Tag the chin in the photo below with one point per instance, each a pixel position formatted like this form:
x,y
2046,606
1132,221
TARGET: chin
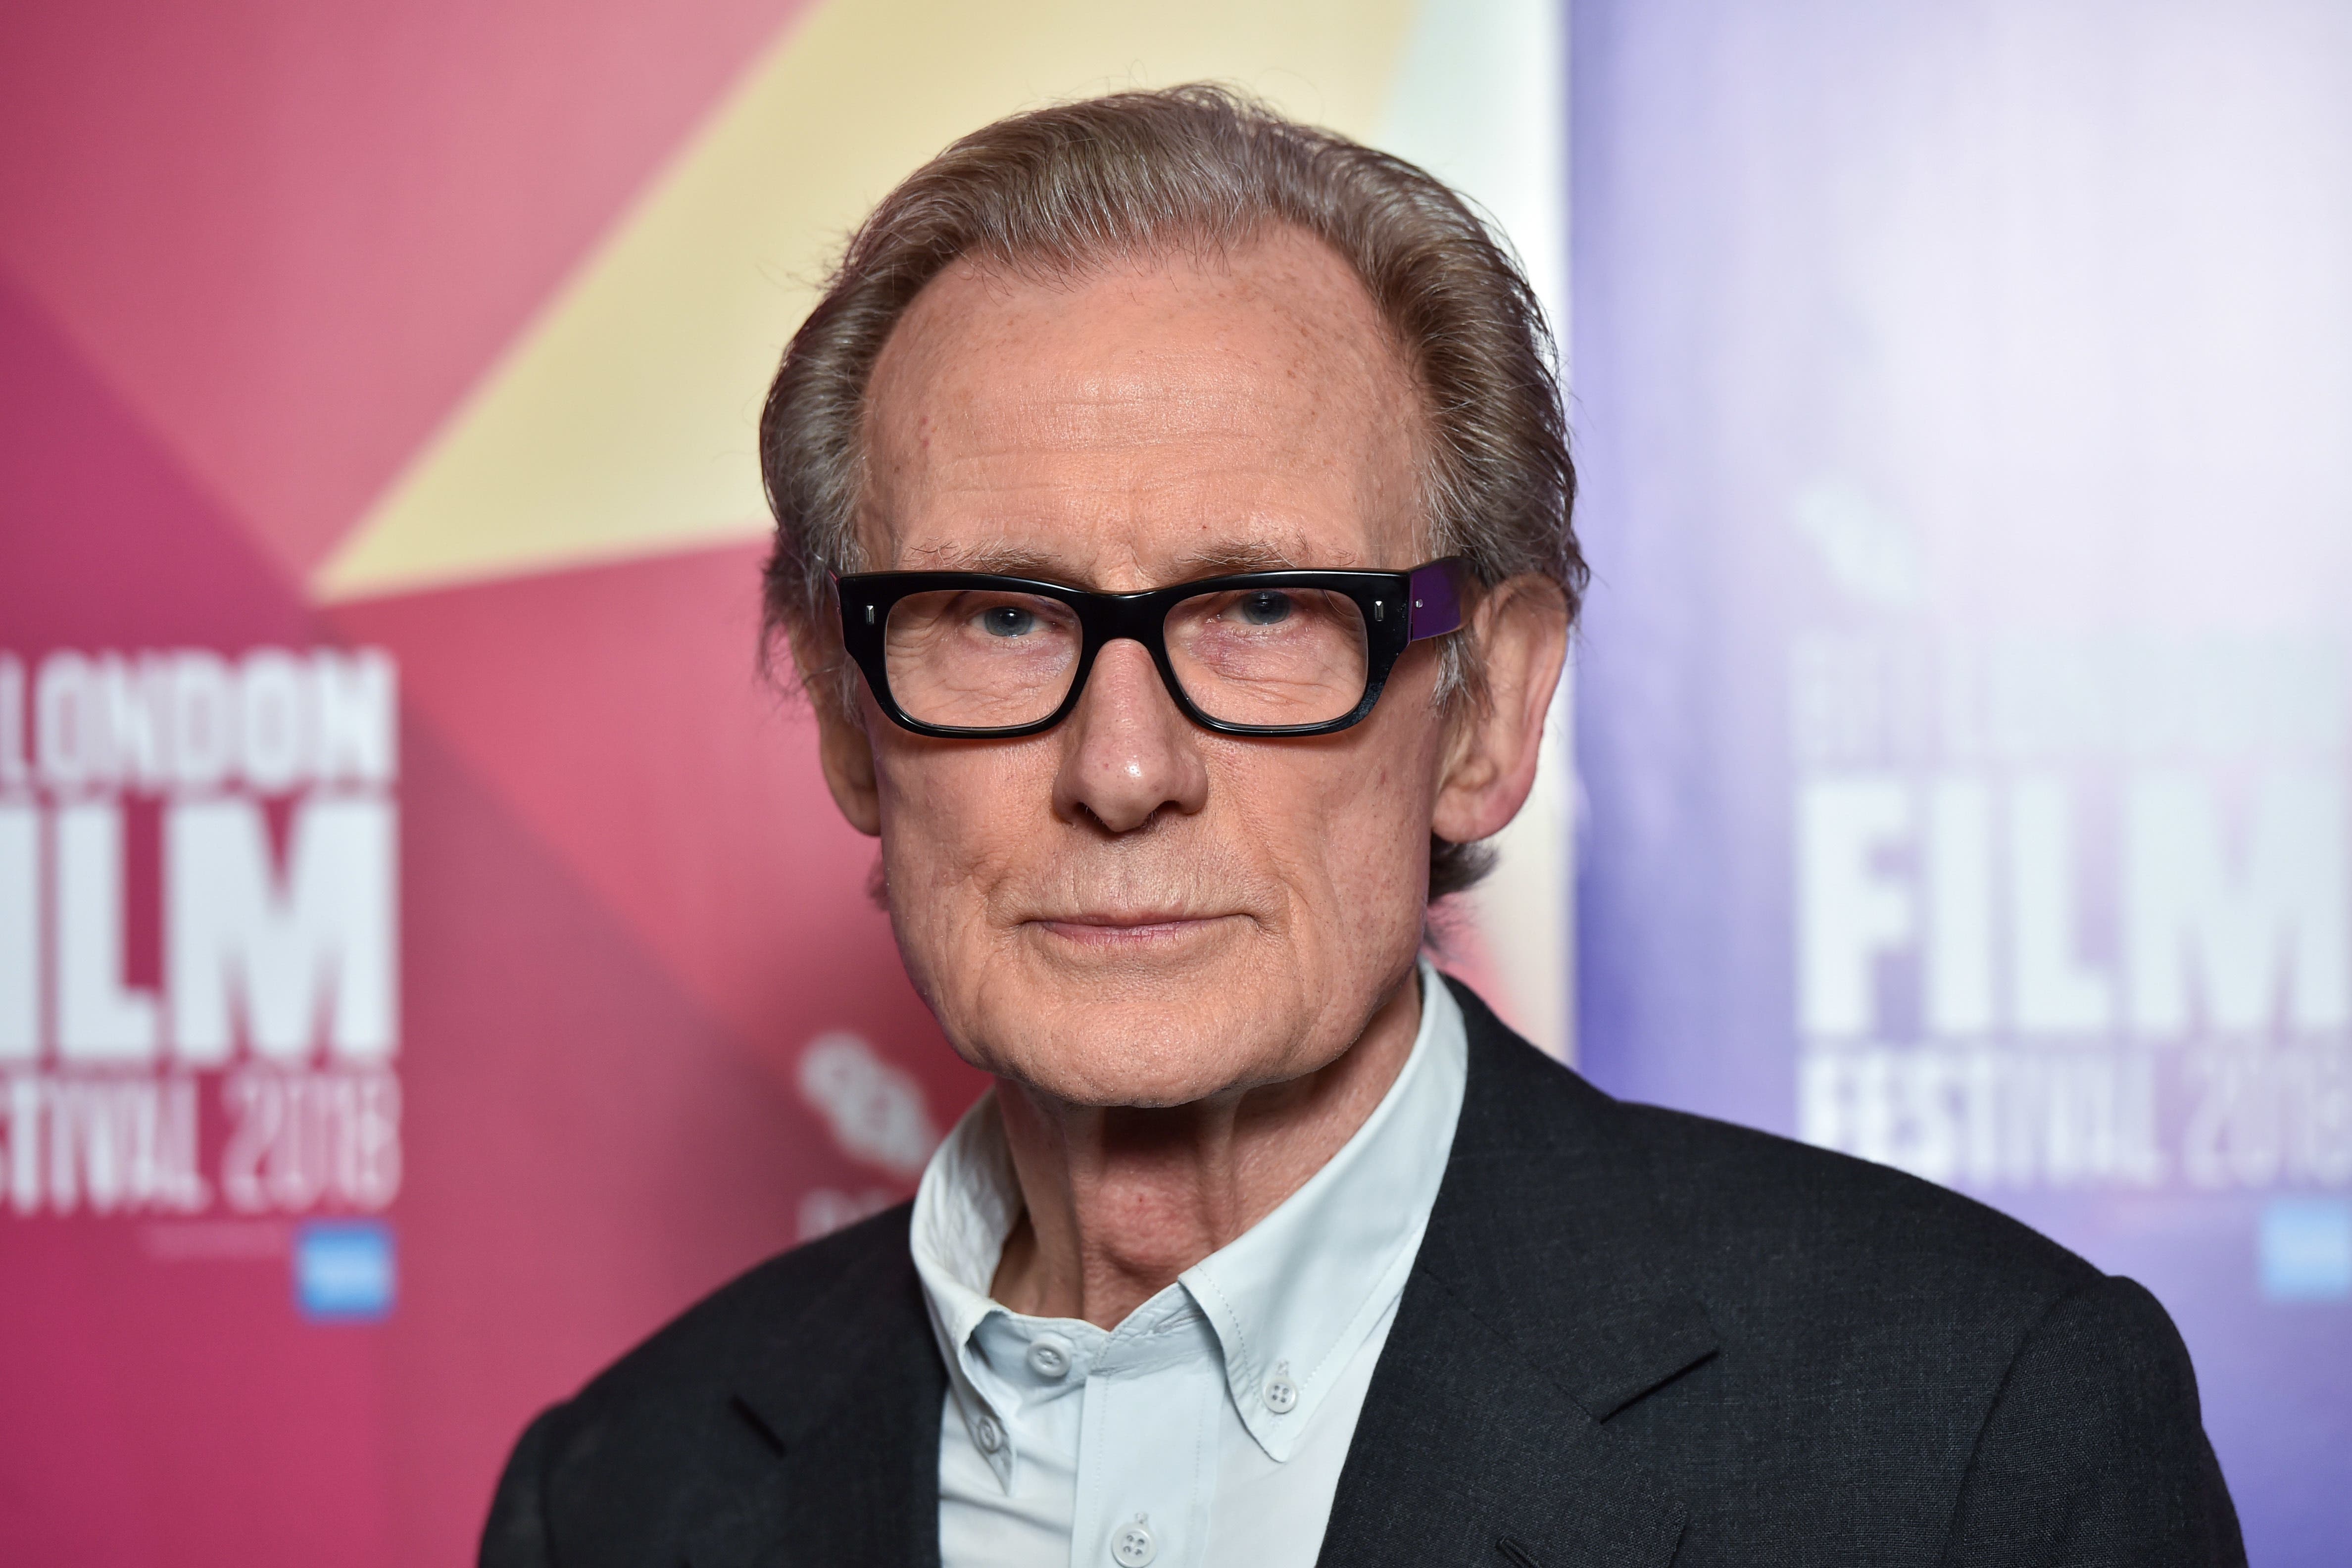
x,y
1156,1022
1144,1055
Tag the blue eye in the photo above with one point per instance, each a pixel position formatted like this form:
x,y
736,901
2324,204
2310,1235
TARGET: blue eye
x,y
1008,621
1265,609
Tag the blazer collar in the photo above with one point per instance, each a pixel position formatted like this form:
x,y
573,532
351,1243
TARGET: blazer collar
x,y
1539,1307
848,1396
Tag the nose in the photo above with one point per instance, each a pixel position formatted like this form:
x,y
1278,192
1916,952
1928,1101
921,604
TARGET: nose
x,y
1127,752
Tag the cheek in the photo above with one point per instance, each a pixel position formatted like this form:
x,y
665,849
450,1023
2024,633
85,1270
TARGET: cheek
x,y
1393,805
953,819
1347,832
1387,868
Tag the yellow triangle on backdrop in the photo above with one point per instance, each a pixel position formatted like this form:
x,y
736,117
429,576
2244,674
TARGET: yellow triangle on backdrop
x,y
621,422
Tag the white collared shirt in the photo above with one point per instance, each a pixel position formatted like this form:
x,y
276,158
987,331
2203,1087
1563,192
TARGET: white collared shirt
x,y
1209,1426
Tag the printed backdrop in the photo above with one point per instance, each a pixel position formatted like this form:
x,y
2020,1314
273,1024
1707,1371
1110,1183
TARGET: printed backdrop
x,y
428,956
1965,711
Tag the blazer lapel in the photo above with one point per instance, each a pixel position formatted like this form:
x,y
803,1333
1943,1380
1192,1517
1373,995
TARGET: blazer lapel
x,y
1538,1309
850,1401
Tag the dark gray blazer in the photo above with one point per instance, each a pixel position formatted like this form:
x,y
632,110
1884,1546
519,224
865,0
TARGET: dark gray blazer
x,y
1632,1337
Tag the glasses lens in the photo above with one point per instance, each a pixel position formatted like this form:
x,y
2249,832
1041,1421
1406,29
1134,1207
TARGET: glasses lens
x,y
979,659
1270,656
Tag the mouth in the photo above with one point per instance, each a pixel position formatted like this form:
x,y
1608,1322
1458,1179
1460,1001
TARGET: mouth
x,y
1129,932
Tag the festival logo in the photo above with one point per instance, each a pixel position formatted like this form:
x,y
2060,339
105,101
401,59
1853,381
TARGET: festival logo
x,y
2072,908
199,936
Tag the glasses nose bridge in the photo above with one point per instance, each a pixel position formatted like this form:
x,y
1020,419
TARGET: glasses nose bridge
x,y
1129,617
1141,618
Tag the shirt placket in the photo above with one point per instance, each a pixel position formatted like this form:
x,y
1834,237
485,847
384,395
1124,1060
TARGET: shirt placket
x,y
1147,1463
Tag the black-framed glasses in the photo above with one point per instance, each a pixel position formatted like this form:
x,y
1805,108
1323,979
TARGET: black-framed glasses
x,y
1256,653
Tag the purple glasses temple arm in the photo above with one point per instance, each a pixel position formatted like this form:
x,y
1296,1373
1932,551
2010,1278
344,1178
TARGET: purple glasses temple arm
x,y
1437,591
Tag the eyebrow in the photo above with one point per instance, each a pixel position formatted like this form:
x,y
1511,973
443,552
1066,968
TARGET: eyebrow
x,y
999,560
1217,560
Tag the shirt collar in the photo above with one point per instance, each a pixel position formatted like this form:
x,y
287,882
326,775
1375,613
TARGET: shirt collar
x,y
1297,1295
1293,1298
965,1206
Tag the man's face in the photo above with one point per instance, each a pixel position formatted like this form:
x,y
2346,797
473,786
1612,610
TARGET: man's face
x,y
1128,910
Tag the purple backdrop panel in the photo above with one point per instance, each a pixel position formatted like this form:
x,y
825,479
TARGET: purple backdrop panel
x,y
1962,709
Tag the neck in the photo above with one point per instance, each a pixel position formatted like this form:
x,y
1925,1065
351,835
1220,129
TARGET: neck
x,y
1118,1201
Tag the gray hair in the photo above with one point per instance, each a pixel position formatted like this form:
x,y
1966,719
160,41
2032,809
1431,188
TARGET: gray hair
x,y
1197,168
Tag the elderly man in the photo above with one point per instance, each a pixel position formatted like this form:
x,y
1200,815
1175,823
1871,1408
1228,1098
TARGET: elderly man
x,y
1172,536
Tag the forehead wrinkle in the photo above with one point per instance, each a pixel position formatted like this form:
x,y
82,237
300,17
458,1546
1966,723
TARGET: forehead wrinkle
x,y
1062,493
1106,415
1058,452
1078,466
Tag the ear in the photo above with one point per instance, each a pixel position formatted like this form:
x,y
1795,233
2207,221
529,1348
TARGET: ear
x,y
1522,631
845,748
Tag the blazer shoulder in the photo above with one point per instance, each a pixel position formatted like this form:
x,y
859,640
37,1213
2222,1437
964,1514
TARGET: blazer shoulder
x,y
1755,1196
817,1298
680,1430
1746,1210
749,1364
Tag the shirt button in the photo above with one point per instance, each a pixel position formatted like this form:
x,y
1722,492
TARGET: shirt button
x,y
1049,1357
991,1435
1133,1546
1281,1393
